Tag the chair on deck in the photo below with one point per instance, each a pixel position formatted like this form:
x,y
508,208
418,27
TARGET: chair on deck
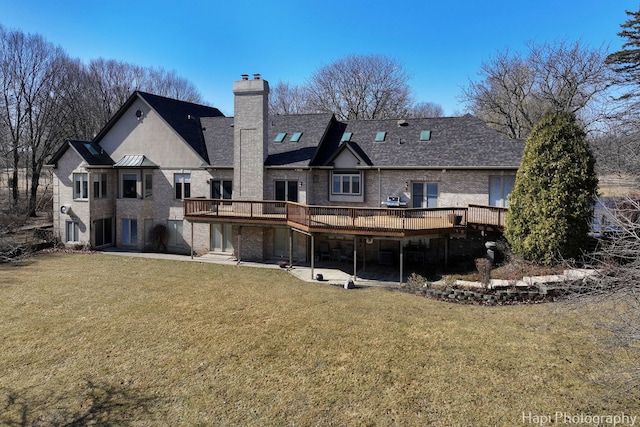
x,y
325,253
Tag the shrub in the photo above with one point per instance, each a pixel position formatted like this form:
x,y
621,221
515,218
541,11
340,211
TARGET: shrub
x,y
415,283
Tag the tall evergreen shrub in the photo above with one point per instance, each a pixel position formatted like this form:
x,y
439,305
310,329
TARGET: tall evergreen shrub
x,y
551,205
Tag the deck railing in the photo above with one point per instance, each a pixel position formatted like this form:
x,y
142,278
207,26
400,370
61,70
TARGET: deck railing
x,y
341,219
486,215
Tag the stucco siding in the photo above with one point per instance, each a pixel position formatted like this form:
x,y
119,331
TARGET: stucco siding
x,y
150,135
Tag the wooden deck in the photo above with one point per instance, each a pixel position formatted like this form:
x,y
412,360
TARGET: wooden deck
x,y
390,222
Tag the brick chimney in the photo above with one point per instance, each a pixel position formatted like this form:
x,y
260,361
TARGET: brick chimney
x,y
250,133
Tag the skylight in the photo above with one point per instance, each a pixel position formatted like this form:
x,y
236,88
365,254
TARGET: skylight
x,y
380,136
425,135
91,149
346,136
280,137
296,137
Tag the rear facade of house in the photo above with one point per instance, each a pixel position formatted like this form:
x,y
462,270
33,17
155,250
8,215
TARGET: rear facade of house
x,y
180,177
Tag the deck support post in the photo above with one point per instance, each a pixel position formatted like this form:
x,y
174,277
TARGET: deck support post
x,y
401,259
239,254
313,256
355,259
446,250
290,247
192,224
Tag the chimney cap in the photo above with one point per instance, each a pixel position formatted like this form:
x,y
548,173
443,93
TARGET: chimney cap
x,y
245,76
256,76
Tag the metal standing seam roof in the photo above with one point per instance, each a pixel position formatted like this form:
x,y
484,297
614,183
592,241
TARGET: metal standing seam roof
x,y
134,161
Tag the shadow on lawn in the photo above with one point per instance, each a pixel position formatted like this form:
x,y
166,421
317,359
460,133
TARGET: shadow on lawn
x,y
97,404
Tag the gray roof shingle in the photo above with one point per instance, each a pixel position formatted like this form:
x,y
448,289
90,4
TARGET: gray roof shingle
x,y
313,129
90,152
455,142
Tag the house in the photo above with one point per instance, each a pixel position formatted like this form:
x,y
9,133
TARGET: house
x,y
301,187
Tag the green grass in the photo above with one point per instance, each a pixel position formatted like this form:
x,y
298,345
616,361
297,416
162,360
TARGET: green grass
x,y
115,340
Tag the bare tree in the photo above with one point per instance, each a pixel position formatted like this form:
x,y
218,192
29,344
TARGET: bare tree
x,y
285,98
425,109
612,295
360,87
33,81
515,90
170,84
110,83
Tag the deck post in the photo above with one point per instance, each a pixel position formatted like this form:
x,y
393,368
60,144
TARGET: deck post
x,y
238,256
290,247
446,250
355,260
192,224
401,259
313,256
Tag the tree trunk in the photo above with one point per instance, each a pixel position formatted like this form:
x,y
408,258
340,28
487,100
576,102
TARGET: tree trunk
x,y
33,196
15,178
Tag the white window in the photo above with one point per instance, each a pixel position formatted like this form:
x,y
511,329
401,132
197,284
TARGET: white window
x,y
130,231
72,231
129,185
148,185
176,237
499,189
99,186
80,185
182,182
286,190
347,183
424,195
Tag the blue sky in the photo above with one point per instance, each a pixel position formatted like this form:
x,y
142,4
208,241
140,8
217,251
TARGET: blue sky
x,y
441,44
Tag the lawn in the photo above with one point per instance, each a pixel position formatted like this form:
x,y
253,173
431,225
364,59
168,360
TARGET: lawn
x,y
111,340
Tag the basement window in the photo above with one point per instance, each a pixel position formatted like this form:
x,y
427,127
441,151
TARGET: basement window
x,y
380,136
425,135
296,137
280,137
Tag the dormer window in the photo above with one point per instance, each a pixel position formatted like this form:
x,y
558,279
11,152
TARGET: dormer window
x,y
380,136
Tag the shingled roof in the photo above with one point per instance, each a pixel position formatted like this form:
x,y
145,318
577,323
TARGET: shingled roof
x,y
184,117
453,142
90,152
218,137
308,140
294,139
